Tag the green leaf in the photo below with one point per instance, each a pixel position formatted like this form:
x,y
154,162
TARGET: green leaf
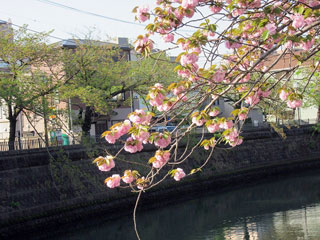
x,y
151,160
265,35
300,10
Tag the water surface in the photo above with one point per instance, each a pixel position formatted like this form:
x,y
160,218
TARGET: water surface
x,y
283,209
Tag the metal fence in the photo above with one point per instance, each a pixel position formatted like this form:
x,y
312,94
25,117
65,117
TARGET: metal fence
x,y
32,143
25,144
22,144
299,122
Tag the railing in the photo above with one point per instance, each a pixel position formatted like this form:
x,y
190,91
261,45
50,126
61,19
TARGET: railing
x,y
22,144
33,143
25,144
299,122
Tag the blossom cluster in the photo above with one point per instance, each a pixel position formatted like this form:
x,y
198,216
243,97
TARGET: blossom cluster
x,y
259,35
293,100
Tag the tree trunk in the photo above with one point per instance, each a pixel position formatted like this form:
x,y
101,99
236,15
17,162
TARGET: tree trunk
x,y
45,121
12,133
86,124
318,117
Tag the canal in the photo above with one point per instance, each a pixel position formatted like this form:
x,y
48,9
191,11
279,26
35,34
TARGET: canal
x,y
285,208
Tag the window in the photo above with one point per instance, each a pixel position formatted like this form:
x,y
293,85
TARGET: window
x,y
118,97
3,64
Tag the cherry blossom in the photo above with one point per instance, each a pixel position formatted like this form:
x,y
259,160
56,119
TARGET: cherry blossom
x,y
232,54
283,95
128,177
143,14
294,103
179,174
113,181
214,112
168,37
161,158
105,163
133,146
162,140
212,128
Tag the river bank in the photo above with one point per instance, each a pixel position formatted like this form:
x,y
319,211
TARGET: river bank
x,y
50,194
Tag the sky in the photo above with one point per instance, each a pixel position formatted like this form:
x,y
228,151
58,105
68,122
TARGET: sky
x,y
45,15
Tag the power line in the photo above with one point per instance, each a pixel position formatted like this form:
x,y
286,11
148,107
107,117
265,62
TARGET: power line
x,y
88,13
94,14
31,30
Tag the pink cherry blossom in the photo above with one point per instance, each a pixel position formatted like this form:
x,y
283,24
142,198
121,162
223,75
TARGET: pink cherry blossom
x,y
178,90
184,44
123,128
212,128
133,146
157,101
307,45
232,135
288,44
165,106
214,112
253,99
215,9
184,73
242,116
219,76
107,165
265,93
161,141
230,45
168,37
196,50
179,174
238,141
271,27
178,14
142,136
140,117
294,103
310,20
110,138
162,157
142,43
113,181
187,59
297,20
226,124
237,12
283,95
189,3
198,122
142,13
128,177
245,79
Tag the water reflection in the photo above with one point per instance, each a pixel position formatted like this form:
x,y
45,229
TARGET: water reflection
x,y
285,209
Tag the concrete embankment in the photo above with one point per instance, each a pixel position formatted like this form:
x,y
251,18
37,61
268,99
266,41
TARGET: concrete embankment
x,y
36,191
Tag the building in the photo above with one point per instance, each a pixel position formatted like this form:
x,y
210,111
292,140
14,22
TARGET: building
x,y
101,122
303,114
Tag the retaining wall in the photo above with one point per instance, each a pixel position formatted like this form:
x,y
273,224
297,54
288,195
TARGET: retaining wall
x,y
36,190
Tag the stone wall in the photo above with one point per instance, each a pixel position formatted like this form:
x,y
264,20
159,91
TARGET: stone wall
x,y
39,187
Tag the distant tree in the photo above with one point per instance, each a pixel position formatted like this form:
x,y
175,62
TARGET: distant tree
x,y
309,85
102,71
30,73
